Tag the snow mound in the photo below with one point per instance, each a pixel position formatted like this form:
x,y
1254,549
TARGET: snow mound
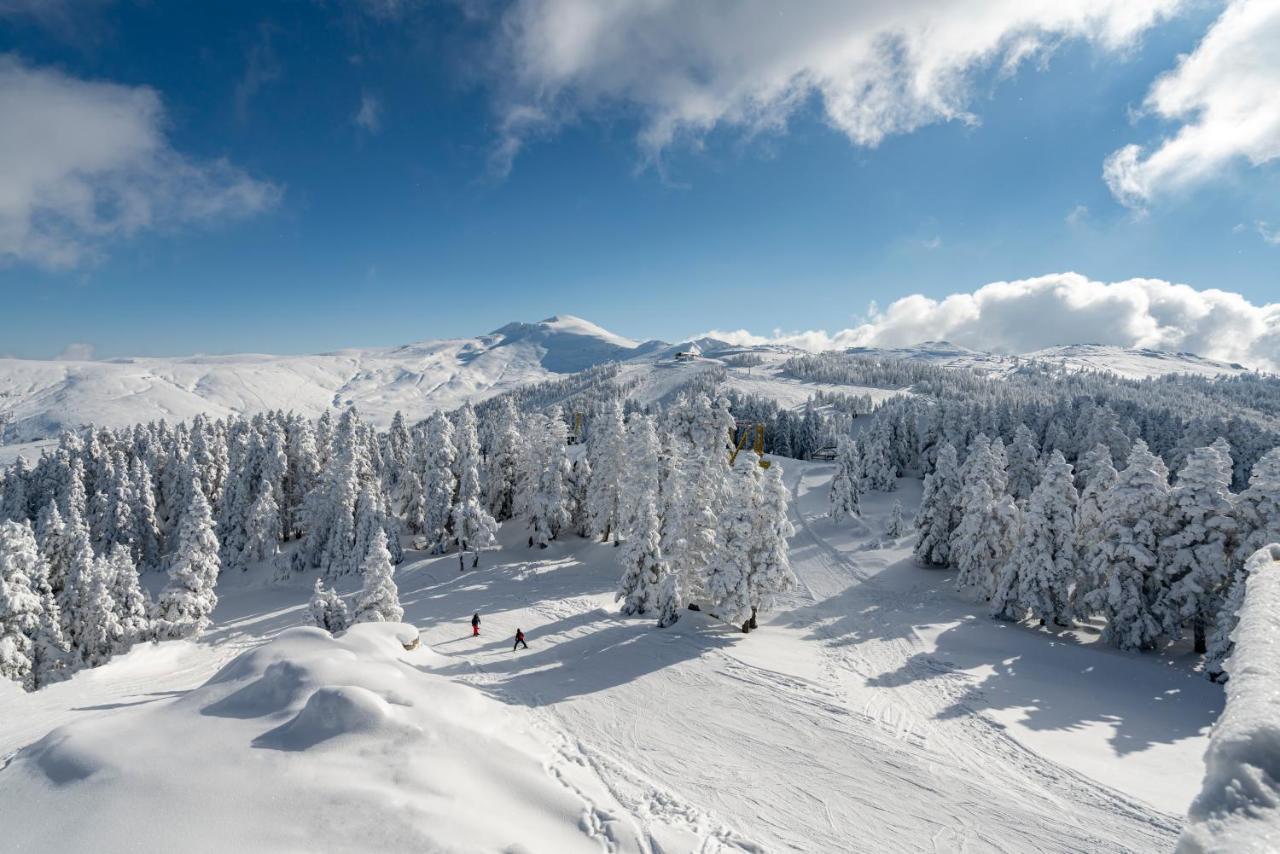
x,y
1238,810
307,743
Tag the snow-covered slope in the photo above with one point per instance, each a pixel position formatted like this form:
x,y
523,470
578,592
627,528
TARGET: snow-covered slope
x,y
39,398
42,397
875,710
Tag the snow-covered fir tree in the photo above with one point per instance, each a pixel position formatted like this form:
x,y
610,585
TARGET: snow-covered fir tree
x,y
474,529
184,607
262,528
132,605
1037,577
379,599
893,525
878,470
641,548
606,451
1024,464
32,650
846,482
729,569
1257,508
1091,579
328,610
985,538
438,480
1200,536
1133,514
501,464
938,515
771,572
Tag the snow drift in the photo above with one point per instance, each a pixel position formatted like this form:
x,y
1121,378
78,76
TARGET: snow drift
x,y
1238,810
307,743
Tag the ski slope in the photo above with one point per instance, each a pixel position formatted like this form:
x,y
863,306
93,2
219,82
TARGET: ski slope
x,y
876,710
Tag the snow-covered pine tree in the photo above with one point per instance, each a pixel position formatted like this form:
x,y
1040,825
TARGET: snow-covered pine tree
x,y
1037,577
1024,464
641,552
1200,536
379,600
438,481
101,631
262,528
576,488
893,526
845,483
185,605
1257,509
132,605
501,465
1133,513
1091,581
878,471
147,543
20,612
771,572
729,569
474,529
986,536
937,516
328,611
23,564
605,451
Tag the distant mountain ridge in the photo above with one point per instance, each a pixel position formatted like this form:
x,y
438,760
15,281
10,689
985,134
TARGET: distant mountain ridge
x,y
39,398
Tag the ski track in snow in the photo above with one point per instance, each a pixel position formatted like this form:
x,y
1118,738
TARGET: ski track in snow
x,y
833,728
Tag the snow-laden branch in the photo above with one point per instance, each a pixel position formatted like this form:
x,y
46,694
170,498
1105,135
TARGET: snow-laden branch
x,y
1238,810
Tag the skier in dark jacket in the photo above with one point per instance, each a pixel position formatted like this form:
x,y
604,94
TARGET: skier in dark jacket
x,y
475,624
519,640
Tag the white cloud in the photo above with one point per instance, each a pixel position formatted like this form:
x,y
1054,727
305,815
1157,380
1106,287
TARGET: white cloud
x,y
1269,234
1078,214
369,116
85,163
877,67
1064,308
1225,93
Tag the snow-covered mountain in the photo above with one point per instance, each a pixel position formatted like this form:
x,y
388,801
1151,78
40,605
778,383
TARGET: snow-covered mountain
x,y
39,398
42,397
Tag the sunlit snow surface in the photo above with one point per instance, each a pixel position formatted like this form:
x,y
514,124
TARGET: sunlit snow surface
x,y
876,710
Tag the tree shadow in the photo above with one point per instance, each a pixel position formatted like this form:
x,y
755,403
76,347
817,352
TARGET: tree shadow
x,y
1061,682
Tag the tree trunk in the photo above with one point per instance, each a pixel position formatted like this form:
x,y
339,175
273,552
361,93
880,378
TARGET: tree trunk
x,y
746,627
752,621
1198,628
462,567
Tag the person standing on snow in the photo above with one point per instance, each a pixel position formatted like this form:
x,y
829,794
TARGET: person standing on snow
x,y
475,624
519,640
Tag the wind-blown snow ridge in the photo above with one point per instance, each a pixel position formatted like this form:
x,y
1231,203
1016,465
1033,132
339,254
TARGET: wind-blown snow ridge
x,y
1238,810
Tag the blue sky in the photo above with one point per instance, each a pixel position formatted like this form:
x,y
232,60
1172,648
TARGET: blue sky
x,y
406,223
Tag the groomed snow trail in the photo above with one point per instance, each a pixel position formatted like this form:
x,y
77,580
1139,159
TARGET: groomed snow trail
x,y
831,729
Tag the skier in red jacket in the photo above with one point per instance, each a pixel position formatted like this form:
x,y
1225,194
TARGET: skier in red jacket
x,y
519,640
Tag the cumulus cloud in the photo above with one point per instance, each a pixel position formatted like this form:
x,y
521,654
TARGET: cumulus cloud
x,y
1225,93
1063,308
83,163
369,116
877,67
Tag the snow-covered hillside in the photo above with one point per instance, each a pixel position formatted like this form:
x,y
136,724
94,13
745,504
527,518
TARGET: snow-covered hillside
x,y
39,398
872,712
